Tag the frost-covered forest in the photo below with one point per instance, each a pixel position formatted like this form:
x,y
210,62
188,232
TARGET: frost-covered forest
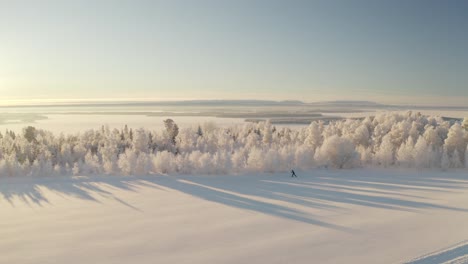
x,y
386,140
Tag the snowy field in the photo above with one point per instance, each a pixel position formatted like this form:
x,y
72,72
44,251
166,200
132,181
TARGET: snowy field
x,y
386,189
323,216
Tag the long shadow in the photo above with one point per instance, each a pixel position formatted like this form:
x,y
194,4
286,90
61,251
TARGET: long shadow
x,y
95,189
398,181
275,195
323,192
455,254
235,200
334,192
99,189
344,196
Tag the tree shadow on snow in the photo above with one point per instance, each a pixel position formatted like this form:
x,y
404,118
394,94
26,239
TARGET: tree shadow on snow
x,y
275,194
282,196
31,191
230,197
330,191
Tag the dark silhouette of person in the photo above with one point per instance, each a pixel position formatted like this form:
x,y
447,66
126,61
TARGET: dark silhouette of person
x,y
293,174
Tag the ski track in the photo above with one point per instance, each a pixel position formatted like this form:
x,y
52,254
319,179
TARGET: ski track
x,y
456,254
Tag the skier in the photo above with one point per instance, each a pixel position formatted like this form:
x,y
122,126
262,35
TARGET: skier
x,y
293,174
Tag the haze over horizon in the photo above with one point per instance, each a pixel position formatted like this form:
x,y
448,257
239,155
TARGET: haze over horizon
x,y
390,52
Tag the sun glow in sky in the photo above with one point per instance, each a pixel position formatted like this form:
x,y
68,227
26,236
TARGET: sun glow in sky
x,y
385,51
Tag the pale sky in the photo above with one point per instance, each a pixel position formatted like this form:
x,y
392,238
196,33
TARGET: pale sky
x,y
390,51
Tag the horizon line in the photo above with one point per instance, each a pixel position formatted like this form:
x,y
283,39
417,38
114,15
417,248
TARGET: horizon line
x,y
142,101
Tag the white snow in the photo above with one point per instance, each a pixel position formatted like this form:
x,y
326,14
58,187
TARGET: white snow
x,y
324,216
456,254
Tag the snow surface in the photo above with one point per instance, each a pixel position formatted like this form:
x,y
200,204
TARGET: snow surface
x,y
324,216
456,254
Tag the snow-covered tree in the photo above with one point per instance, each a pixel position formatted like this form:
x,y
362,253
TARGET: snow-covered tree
x,y
172,130
314,135
445,163
338,152
255,159
423,154
455,161
455,143
466,157
141,141
465,123
267,133
388,139
405,154
163,162
385,155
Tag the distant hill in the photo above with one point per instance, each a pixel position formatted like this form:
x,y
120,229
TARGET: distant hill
x,y
172,103
349,104
337,105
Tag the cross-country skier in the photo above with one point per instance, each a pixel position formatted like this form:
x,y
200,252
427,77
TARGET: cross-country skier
x,y
293,174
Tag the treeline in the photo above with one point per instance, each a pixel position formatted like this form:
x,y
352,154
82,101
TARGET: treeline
x,y
386,140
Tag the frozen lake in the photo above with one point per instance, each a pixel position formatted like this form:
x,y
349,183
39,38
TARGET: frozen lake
x,y
75,123
76,118
444,113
